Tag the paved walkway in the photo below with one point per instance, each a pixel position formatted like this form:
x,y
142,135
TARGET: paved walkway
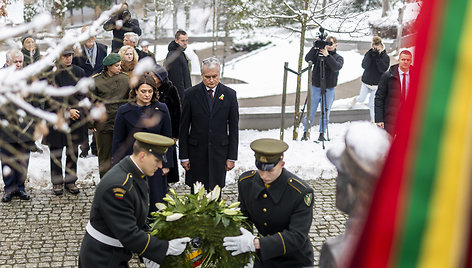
x,y
47,230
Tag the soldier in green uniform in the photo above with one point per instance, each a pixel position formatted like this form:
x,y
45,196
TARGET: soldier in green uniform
x,y
111,89
281,207
117,225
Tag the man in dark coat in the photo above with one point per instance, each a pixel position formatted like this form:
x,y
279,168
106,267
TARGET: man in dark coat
x,y
333,62
131,39
117,226
128,25
392,92
208,143
111,89
67,74
92,56
177,63
281,207
16,141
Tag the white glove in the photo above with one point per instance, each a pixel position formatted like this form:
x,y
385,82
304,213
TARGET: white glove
x,y
177,246
150,264
250,264
240,244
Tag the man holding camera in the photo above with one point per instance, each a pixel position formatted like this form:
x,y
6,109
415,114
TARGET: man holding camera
x,y
120,24
323,53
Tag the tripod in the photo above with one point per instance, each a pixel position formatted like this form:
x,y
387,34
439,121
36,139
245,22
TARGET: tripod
x,y
324,108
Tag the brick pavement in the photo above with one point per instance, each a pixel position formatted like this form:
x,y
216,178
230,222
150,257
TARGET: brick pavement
x,y
47,231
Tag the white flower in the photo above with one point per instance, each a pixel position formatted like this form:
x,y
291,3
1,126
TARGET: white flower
x,y
230,212
174,217
197,186
161,206
215,194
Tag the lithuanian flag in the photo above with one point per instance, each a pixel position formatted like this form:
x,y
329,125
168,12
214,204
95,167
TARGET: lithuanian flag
x,y
421,210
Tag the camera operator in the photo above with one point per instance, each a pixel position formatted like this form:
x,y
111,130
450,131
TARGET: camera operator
x,y
323,51
120,24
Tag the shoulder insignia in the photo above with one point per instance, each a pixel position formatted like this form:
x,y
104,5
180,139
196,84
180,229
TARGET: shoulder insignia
x,y
247,175
119,193
308,199
297,184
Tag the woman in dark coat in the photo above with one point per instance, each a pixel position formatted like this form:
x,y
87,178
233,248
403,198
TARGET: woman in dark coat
x,y
30,50
169,95
143,113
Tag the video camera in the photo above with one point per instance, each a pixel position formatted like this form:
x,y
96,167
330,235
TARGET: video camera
x,y
320,42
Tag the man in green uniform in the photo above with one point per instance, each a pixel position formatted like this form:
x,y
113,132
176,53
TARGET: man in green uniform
x,y
117,225
111,89
280,205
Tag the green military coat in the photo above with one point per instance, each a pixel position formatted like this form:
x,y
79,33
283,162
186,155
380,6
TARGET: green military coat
x,y
113,91
282,214
119,210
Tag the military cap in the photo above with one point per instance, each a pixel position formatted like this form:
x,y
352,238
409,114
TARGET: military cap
x,y
67,52
154,143
112,58
268,152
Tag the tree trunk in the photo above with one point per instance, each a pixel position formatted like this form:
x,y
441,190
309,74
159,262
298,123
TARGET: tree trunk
x,y
175,10
296,118
187,16
385,7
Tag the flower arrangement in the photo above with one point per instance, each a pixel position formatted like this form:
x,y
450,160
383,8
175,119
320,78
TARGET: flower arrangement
x,y
204,219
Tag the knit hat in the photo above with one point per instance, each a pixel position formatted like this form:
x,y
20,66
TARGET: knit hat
x,y
24,37
160,72
112,58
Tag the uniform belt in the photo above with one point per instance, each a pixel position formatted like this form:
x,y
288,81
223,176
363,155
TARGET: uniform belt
x,y
105,239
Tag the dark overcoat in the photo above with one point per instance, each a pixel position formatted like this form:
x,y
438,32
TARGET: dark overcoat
x,y
282,214
168,94
177,65
388,98
132,118
209,134
84,63
374,65
68,76
119,210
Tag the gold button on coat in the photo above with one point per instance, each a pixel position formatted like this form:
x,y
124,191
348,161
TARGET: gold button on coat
x,y
264,209
265,196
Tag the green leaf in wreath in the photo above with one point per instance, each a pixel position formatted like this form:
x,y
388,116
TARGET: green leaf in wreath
x,y
217,219
225,221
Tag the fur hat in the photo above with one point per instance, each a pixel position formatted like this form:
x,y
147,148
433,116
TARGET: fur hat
x,y
24,37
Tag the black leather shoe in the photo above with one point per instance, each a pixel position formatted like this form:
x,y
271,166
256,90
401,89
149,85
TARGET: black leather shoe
x,y
7,197
72,188
57,189
23,195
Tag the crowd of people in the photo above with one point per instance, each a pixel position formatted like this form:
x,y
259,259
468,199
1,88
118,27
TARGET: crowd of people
x,y
136,143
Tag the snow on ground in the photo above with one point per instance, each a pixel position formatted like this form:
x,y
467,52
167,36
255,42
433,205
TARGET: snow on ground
x,y
263,69
307,159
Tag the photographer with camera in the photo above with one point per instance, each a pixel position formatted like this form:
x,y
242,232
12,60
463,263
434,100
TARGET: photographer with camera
x,y
120,24
376,61
326,66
